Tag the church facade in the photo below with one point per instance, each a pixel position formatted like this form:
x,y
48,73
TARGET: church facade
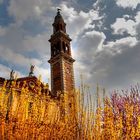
x,y
61,63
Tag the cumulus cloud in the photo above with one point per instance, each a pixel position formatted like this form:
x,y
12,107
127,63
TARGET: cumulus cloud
x,y
11,37
137,18
44,72
116,62
91,41
4,71
19,41
122,25
119,46
128,3
87,46
77,22
120,62
23,10
38,43
20,50
17,59
127,25
2,31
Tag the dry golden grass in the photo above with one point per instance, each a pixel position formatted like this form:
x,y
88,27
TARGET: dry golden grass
x,y
28,116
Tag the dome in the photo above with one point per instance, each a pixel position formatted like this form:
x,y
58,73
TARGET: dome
x,y
59,24
58,18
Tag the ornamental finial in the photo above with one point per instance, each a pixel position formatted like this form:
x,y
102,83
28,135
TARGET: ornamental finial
x,y
58,10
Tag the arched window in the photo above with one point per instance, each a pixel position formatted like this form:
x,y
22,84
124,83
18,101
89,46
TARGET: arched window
x,y
64,47
67,49
57,28
54,52
58,47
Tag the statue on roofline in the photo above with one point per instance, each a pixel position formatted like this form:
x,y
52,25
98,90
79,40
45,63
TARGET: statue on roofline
x,y
31,73
12,74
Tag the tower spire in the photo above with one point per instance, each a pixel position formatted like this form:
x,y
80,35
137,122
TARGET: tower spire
x,y
61,61
59,24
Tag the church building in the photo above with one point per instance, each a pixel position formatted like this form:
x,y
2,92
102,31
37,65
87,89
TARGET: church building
x,y
61,63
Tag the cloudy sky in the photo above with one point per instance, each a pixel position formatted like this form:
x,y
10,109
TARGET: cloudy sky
x,y
105,34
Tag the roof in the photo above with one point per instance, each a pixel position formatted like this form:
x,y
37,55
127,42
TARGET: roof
x,y
32,83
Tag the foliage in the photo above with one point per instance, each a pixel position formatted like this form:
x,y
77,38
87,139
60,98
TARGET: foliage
x,y
24,115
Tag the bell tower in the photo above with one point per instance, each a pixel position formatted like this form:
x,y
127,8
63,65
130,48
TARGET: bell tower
x,y
61,61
